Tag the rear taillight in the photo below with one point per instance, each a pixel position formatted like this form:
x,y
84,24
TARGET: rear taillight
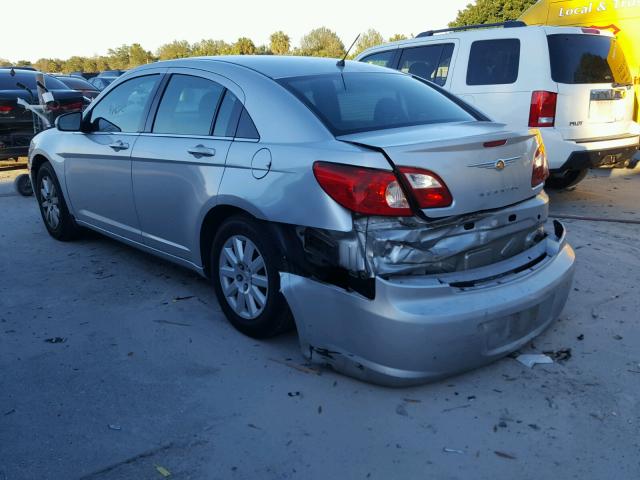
x,y
540,166
428,188
4,109
543,109
369,191
362,190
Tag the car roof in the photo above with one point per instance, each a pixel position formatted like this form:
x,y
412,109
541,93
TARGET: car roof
x,y
480,34
275,66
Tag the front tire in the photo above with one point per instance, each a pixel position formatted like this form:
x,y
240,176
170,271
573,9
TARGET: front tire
x,y
565,179
55,214
245,265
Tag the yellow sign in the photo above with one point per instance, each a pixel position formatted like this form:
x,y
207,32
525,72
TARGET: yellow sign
x,y
622,17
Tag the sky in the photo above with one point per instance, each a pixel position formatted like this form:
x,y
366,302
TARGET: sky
x,y
91,28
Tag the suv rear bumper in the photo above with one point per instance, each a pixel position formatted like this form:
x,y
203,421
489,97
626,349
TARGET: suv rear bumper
x,y
422,328
572,155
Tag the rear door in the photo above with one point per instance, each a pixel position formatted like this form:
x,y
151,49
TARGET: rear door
x,y
595,93
179,160
98,163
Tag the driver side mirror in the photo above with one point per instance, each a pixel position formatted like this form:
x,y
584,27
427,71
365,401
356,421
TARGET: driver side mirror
x,y
69,122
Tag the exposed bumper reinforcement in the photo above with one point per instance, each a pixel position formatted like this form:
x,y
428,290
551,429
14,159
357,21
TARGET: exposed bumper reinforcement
x,y
421,328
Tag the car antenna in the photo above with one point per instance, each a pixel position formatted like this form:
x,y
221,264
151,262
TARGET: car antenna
x,y
340,62
12,72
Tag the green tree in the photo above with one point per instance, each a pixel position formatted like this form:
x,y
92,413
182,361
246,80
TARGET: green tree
x,y
208,47
244,46
4,61
53,65
175,49
397,37
139,56
73,64
368,39
23,63
321,42
119,57
280,43
490,11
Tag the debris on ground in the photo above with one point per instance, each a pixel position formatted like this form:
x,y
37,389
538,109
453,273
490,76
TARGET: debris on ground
x,y
177,299
504,455
56,340
114,427
294,394
580,337
163,471
170,322
531,359
617,337
452,450
300,368
251,425
561,355
411,400
13,410
401,410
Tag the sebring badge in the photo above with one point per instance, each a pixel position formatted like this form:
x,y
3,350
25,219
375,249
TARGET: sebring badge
x,y
499,164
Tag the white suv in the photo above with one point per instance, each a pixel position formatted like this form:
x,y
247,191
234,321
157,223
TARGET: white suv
x,y
571,83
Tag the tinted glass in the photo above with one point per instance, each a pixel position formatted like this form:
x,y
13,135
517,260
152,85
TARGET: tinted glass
x,y
28,79
124,107
76,83
494,62
227,118
358,102
430,62
382,59
246,127
188,106
587,59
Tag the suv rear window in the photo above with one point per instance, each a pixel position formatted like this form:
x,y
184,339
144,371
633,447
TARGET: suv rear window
x,y
358,102
494,62
28,79
430,62
587,59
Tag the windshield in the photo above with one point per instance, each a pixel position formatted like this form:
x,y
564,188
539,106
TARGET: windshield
x,y
587,59
7,82
358,102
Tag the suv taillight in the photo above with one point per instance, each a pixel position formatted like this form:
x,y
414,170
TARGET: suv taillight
x,y
540,167
369,191
543,109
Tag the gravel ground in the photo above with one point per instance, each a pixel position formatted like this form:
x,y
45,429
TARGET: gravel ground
x,y
148,378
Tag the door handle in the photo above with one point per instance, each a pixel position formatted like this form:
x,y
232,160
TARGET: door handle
x,y
119,145
202,151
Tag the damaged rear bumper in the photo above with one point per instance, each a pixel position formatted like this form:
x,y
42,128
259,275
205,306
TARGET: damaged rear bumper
x,y
422,328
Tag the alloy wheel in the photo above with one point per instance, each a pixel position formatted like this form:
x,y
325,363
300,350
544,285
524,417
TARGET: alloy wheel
x,y
243,277
49,202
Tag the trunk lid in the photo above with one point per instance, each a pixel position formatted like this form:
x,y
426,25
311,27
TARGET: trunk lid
x,y
479,177
595,93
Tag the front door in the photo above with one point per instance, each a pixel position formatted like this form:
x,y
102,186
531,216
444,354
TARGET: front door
x,y
98,162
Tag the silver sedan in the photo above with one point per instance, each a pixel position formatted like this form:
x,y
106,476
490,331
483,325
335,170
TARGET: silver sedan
x,y
402,232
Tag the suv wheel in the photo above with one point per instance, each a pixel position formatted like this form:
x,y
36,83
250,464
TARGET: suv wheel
x,y
53,208
245,266
565,179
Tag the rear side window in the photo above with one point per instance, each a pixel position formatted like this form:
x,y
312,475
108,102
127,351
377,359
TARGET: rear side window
x,y
381,59
188,106
246,127
494,62
430,62
587,59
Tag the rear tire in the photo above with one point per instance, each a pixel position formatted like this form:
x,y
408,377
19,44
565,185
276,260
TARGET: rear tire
x,y
55,214
23,185
565,179
245,265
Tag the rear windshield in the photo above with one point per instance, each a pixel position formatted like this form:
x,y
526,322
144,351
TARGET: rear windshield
x,y
7,82
358,102
587,59
77,83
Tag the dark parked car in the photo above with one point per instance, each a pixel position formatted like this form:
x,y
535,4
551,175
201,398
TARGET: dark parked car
x,y
79,84
16,123
101,82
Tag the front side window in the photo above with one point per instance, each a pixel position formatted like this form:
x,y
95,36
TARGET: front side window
x,y
494,62
358,102
382,59
188,106
430,62
123,109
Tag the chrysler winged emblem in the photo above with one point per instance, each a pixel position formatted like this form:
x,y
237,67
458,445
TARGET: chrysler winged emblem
x,y
499,164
